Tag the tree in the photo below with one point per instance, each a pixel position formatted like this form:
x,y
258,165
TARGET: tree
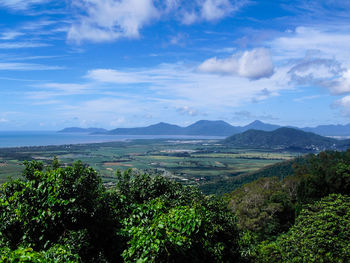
x,y
60,206
263,206
159,233
321,234
324,174
169,222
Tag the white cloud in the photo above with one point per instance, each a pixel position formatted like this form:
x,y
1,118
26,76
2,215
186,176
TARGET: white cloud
x,y
10,35
51,90
314,68
114,76
342,85
26,66
254,64
306,98
71,88
186,110
20,4
345,103
178,86
3,120
189,12
171,89
17,45
328,40
216,9
108,20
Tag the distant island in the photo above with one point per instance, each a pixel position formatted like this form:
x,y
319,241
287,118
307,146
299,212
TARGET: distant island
x,y
83,130
209,128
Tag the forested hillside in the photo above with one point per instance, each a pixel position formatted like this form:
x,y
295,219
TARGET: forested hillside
x,y
287,139
65,214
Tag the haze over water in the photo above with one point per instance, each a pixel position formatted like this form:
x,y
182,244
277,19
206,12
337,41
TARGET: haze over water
x,y
44,138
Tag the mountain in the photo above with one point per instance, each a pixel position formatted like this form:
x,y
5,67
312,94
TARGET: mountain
x,y
202,127
83,130
217,128
286,138
156,129
211,128
259,125
330,130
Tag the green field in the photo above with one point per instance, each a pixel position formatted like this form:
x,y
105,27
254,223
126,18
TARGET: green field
x,y
188,161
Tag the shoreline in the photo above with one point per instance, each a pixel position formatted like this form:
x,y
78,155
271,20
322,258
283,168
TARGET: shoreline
x,y
126,139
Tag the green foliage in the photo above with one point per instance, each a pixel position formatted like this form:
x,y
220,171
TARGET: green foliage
x,y
327,173
170,222
55,254
160,233
263,206
66,215
54,206
321,234
281,170
141,188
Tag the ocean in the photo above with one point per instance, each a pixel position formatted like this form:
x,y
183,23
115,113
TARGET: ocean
x,y
44,138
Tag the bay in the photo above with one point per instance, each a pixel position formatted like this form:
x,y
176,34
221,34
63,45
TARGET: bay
x,y
45,138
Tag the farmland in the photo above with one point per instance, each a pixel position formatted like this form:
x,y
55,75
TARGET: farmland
x,y
187,161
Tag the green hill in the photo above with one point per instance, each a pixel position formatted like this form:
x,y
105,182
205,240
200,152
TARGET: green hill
x,y
286,139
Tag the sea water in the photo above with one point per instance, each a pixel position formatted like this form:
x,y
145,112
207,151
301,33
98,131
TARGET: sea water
x,y
44,138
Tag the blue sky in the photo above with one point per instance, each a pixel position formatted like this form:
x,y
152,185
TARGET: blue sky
x,y
125,63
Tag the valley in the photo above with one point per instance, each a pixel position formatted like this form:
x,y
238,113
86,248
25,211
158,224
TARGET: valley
x,y
194,162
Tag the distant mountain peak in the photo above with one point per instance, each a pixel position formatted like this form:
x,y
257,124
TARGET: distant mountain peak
x,y
259,125
162,124
257,122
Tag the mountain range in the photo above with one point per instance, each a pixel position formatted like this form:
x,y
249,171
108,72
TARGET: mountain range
x,y
210,128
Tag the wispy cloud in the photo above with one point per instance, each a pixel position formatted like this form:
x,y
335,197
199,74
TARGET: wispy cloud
x,y
54,90
189,12
18,45
10,35
317,56
27,66
326,40
115,76
316,10
21,4
181,86
307,98
111,19
108,20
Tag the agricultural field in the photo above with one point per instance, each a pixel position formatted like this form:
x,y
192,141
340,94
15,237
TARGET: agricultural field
x,y
187,161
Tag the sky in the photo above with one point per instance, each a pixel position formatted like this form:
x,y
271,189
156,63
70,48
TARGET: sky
x,y
129,63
